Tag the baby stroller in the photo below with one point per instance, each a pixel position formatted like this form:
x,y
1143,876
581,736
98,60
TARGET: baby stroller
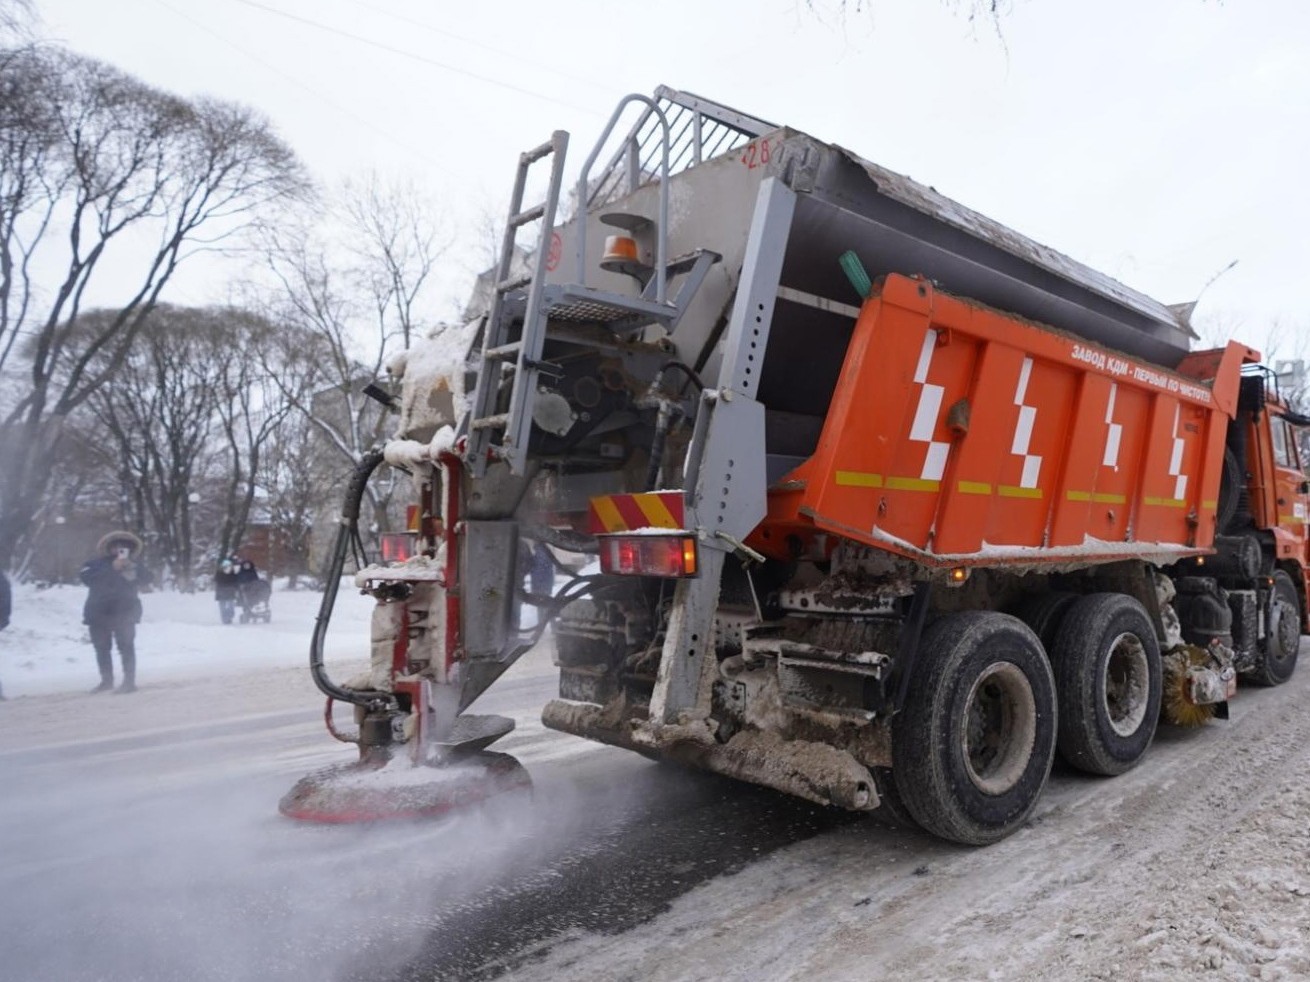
x,y
252,597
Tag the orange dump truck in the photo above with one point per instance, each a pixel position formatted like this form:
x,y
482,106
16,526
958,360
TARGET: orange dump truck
x,y
824,482
961,436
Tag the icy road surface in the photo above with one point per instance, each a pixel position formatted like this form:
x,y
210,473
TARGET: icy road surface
x,y
140,840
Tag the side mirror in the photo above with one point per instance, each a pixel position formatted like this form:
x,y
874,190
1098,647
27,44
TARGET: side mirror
x,y
1303,487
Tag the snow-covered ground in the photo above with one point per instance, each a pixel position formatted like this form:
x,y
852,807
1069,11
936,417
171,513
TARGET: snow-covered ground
x,y
46,648
1195,864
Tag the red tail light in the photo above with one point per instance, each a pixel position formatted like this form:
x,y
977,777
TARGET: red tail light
x,y
649,555
397,546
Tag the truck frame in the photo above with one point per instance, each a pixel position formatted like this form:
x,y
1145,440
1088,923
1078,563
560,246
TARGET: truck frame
x,y
886,505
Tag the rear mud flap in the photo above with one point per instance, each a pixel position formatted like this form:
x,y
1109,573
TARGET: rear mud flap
x,y
814,771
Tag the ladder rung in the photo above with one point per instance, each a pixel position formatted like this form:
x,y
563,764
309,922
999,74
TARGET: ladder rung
x,y
538,152
498,422
524,217
503,351
517,283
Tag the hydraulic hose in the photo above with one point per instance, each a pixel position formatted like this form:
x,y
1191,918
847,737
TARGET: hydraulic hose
x,y
663,423
346,532
668,414
686,370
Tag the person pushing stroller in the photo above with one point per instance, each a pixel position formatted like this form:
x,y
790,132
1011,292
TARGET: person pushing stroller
x,y
252,593
225,587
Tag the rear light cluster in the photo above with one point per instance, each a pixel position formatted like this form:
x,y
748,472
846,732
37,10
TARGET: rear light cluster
x,y
649,555
398,546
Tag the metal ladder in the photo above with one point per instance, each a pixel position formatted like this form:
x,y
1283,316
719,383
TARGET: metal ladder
x,y
504,436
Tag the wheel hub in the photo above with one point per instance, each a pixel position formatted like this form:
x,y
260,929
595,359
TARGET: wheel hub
x,y
1125,687
1000,728
1288,630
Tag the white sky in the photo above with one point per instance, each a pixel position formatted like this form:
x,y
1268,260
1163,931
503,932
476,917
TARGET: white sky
x,y
1154,141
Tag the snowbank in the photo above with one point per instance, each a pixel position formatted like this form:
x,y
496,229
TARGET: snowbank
x,y
46,648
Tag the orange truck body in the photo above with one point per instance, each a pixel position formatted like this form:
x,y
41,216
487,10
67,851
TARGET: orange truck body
x,y
898,556
960,435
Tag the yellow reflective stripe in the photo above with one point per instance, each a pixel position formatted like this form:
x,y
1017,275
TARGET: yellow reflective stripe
x,y
608,514
858,479
1100,497
974,487
912,484
1210,505
1010,491
654,508
1166,502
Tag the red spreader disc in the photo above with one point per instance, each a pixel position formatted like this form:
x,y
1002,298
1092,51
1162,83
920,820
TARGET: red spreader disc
x,y
359,792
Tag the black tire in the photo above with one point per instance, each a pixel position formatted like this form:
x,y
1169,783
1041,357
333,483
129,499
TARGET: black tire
x,y
1108,681
891,806
973,746
1044,613
1230,491
1277,658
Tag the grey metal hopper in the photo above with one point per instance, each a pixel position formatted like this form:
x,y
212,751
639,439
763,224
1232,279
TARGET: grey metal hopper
x,y
898,225
893,223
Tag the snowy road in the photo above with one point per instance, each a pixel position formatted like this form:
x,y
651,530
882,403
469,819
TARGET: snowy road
x,y
141,841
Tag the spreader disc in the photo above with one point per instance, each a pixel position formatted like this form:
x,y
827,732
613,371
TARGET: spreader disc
x,y
360,792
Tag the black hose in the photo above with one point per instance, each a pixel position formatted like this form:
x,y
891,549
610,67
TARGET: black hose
x,y
347,532
686,370
664,422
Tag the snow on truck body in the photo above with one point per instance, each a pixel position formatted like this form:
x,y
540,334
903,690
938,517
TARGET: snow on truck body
x,y
891,504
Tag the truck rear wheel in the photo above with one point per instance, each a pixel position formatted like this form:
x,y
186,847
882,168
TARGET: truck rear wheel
x,y
1278,651
1108,680
891,806
973,746
1045,613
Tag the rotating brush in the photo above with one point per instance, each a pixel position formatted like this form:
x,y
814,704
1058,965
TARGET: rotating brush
x,y
1176,705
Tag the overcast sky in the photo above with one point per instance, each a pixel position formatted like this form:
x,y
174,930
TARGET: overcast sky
x,y
1156,141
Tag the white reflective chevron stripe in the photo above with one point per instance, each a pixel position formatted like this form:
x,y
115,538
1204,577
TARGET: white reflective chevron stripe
x,y
925,357
1113,434
925,417
1176,459
1023,430
927,411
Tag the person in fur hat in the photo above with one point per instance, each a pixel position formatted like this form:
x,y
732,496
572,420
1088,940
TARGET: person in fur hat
x,y
113,607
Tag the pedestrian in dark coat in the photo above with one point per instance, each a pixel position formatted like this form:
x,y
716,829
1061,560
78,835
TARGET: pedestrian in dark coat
x,y
6,607
113,607
246,572
225,587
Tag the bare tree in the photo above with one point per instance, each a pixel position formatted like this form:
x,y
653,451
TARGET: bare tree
x,y
327,359
298,484
158,415
187,421
17,18
395,242
251,408
347,310
93,163
972,10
